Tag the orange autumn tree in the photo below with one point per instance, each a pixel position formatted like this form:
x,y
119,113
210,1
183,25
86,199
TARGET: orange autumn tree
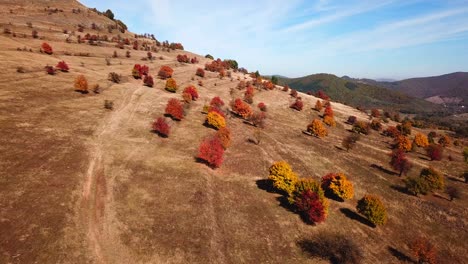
x,y
421,140
224,136
81,84
318,106
403,143
338,186
241,108
317,128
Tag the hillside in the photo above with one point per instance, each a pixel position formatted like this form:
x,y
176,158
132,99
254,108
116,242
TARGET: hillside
x,y
356,93
84,183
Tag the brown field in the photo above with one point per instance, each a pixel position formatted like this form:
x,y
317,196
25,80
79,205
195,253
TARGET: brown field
x,y
83,184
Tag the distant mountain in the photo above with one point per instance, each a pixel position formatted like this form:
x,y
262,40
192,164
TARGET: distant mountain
x,y
444,89
360,93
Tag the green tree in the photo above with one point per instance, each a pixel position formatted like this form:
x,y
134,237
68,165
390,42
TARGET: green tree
x,y
109,14
274,80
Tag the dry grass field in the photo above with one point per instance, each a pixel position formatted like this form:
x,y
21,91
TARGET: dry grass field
x,y
83,184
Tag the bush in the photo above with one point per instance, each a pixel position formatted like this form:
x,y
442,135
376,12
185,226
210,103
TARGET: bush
x,y
192,91
161,127
338,249
322,95
310,207
375,113
62,66
421,140
283,177
241,108
258,119
174,109
416,186
171,85
215,120
183,58
317,128
329,121
262,107
50,70
148,81
405,128
114,77
136,71
200,72
351,120
424,251
297,105
108,104
434,178
399,162
46,48
444,140
211,151
328,111
285,88
303,185
215,66
435,152
165,72
391,131
371,207
336,185
350,141
293,93
224,136
216,102
81,84
361,127
376,125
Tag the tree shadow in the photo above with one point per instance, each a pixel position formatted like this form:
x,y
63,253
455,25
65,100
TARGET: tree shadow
x,y
283,202
202,161
266,185
440,196
355,216
401,189
424,158
159,134
339,148
382,169
400,255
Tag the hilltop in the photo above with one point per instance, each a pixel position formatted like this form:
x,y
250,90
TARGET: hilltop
x,y
85,179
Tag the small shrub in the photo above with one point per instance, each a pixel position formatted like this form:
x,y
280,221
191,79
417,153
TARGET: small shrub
x,y
174,109
317,128
183,58
50,70
211,151
371,207
34,34
391,131
328,110
351,120
361,127
192,91
283,177
136,71
435,151
224,136
81,84
161,127
258,119
336,185
285,88
293,93
216,102
20,69
405,128
424,251
444,141
318,106
329,121
63,66
114,77
350,141
171,85
108,104
165,72
262,106
376,125
200,72
148,81
375,112
421,140
297,105
215,120
46,48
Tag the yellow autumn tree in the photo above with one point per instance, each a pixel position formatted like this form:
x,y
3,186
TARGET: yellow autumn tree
x,y
337,185
329,121
215,120
283,177
317,128
421,140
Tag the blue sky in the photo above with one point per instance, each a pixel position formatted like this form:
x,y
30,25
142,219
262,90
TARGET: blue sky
x,y
364,39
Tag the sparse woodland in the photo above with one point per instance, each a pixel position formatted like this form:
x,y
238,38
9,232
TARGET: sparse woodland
x,y
160,155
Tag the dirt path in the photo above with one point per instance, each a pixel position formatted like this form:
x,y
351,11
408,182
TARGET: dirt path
x,y
97,189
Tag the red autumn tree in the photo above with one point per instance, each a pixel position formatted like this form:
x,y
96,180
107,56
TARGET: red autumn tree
x,y
165,72
148,81
200,72
262,107
62,66
391,131
399,162
310,206
241,108
298,105
375,112
183,58
46,48
435,151
216,102
424,251
322,95
211,151
161,127
174,109
328,111
192,91
293,93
